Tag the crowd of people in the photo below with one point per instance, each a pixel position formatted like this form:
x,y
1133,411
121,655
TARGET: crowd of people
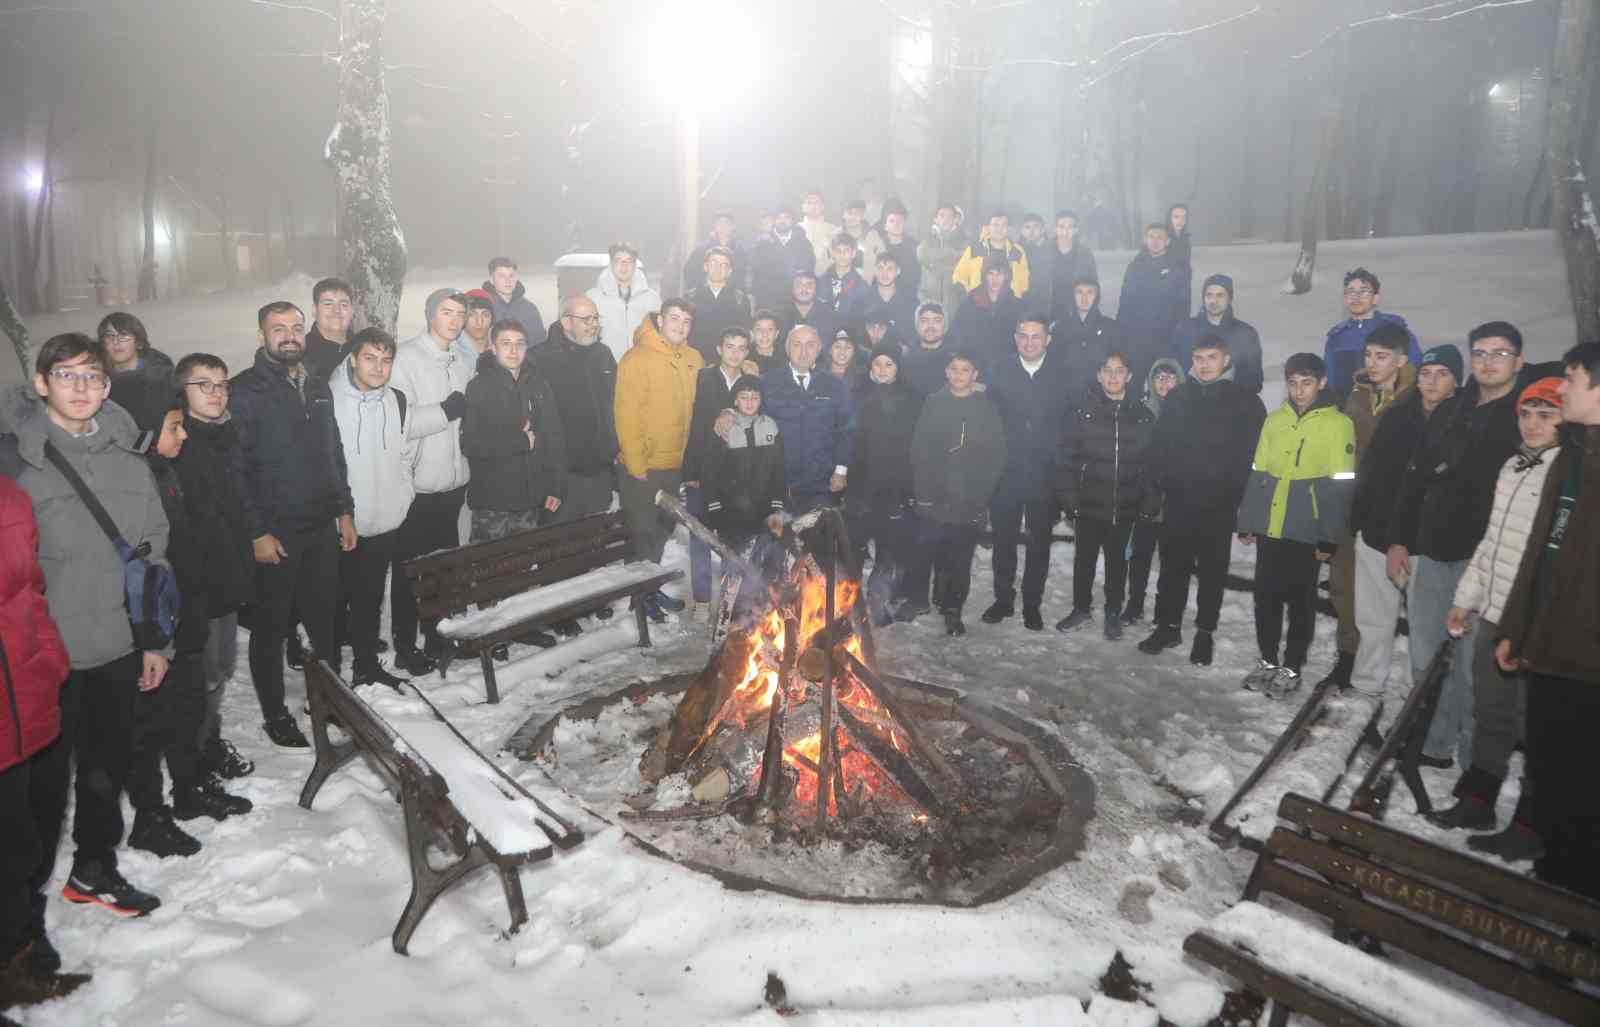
x,y
934,389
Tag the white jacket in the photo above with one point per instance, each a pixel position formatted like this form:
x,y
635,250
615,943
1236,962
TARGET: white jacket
x,y
1486,583
619,318
381,460
427,374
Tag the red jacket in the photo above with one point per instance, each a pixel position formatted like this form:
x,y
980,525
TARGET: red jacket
x,y
33,659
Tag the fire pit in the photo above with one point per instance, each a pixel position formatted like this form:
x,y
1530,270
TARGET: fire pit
x,y
791,763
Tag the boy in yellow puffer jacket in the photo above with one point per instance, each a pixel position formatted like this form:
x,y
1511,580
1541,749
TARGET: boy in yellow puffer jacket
x,y
1295,509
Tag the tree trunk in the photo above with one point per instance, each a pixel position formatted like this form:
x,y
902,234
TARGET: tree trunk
x,y
1332,137
16,331
230,265
1573,214
152,138
41,213
52,276
375,247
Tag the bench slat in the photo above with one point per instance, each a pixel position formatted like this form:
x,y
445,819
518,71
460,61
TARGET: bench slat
x,y
605,529
592,601
1437,902
508,585
1495,884
1488,970
1296,993
462,579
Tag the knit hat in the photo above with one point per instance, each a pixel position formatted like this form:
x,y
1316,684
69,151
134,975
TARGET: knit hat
x,y
1446,356
747,383
886,349
1544,390
478,299
1222,280
436,297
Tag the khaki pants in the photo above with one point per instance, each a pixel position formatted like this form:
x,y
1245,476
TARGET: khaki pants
x,y
1342,593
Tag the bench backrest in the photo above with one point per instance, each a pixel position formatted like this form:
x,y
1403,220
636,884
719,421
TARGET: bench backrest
x,y
1437,904
486,572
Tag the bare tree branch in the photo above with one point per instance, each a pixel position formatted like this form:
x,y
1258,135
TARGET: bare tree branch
x,y
296,7
1150,39
1423,14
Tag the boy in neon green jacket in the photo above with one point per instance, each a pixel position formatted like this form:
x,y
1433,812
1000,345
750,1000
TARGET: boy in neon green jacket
x,y
1295,509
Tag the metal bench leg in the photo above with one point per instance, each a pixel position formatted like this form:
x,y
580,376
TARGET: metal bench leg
x,y
330,757
427,883
1280,1014
641,619
486,659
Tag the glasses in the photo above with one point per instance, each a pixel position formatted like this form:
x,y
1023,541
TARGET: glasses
x,y
210,388
1359,291
71,379
118,337
1497,356
591,319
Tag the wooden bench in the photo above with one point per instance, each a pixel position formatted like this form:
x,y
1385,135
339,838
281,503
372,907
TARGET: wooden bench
x,y
1510,934
455,800
484,573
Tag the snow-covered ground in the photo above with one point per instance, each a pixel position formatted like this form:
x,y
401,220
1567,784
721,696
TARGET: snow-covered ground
x,y
284,917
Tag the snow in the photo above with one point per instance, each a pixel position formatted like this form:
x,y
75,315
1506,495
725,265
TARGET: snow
x,y
285,914
530,604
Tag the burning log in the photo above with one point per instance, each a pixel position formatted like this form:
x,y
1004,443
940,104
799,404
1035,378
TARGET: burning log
x,y
771,795
830,746
881,692
899,769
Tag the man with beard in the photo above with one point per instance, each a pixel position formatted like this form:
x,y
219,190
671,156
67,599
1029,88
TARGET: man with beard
x,y
510,297
1216,318
583,379
777,258
804,308
926,358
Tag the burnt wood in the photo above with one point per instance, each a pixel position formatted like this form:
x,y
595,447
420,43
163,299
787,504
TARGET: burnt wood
x,y
1510,934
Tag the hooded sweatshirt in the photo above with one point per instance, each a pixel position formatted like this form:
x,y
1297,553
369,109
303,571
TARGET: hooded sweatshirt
x,y
655,400
620,317
427,375
1151,400
378,456
1244,342
518,308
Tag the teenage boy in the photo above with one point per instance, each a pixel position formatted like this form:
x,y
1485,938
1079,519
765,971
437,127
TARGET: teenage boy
x,y
380,461
1347,340
84,583
765,332
713,393
1548,632
742,471
718,304
1082,336
512,435
1216,317
1154,299
1102,482
926,358
957,453
1294,512
510,296
1500,698
333,310
841,280
886,297
474,337
1204,440
1164,377
621,294
994,243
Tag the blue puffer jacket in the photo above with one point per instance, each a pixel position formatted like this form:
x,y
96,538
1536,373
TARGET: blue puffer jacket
x,y
1343,352
818,425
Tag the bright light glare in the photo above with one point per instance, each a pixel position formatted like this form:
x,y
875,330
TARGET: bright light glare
x,y
703,52
1496,91
33,178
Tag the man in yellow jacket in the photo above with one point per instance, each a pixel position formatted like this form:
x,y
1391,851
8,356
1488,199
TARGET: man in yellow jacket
x,y
654,400
1295,510
994,237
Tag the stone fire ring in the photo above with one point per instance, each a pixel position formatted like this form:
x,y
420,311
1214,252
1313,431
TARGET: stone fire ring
x,y
1043,751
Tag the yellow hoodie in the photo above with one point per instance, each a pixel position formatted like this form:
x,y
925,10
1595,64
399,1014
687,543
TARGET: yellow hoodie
x,y
654,400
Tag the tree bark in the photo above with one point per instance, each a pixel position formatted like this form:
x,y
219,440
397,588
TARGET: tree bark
x,y
230,265
16,331
152,138
375,248
41,214
1573,213
1332,138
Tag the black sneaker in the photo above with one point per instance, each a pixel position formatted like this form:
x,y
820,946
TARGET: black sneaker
x,y
374,674
1133,613
412,661
1469,812
90,882
23,984
441,651
154,831
206,798
500,652
1200,654
567,628
1342,669
604,613
909,611
222,759
952,623
998,611
294,653
1075,619
1515,843
286,735
44,957
1163,637
1032,619
538,637
666,602
1113,629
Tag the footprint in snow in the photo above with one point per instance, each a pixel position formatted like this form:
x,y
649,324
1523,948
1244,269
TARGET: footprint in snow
x,y
248,996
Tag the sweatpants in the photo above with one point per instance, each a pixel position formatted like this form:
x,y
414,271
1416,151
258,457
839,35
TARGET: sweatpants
x,y
1090,539
99,718
33,801
1017,500
888,531
432,523
307,580
218,661
1429,597
586,494
360,608
650,525
945,551
1286,580
1193,552
1499,722
1342,593
1563,723
1377,617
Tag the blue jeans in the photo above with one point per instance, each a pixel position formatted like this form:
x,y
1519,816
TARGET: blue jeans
x,y
699,552
1428,601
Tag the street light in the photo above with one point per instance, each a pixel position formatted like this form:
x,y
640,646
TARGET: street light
x,y
33,179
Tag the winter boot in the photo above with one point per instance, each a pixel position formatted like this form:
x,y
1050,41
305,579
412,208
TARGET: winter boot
x,y
1133,613
221,758
1163,637
22,983
285,734
1113,629
412,661
998,611
1257,679
909,610
1469,812
373,674
1074,620
567,628
952,623
205,798
44,957
1200,654
154,831
93,882
1342,669
1519,841
1032,619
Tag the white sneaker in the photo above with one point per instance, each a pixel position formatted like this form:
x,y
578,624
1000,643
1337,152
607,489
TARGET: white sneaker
x,y
1257,679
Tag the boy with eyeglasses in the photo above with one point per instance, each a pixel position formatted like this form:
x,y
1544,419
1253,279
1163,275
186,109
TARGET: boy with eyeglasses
x,y
1342,353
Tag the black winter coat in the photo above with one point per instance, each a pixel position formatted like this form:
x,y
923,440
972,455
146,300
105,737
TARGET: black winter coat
x,y
1155,297
1205,442
714,314
987,328
880,467
1052,280
322,356
506,474
773,265
1383,468
712,395
743,484
184,555
214,515
1244,345
1033,408
583,380
288,467
922,371
1082,345
821,317
1103,462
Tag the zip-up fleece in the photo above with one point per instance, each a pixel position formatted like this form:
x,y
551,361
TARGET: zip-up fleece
x,y
427,374
379,458
1303,476
1486,583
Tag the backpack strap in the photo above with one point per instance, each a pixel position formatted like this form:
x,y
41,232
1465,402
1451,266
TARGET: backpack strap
x,y
96,510
400,401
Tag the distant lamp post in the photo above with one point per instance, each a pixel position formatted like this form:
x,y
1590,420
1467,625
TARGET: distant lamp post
x,y
705,56
33,180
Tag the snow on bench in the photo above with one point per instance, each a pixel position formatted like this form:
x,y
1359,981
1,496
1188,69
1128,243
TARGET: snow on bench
x,y
504,817
1295,949
530,604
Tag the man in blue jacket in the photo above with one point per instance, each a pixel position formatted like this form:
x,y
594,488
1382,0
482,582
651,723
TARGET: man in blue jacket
x,y
1154,298
817,418
1345,349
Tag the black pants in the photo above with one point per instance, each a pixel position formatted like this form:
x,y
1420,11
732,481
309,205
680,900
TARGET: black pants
x,y
945,551
432,523
1143,553
1091,538
33,800
1563,723
1286,576
887,530
1192,552
360,608
99,717
306,580
169,720
1014,501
